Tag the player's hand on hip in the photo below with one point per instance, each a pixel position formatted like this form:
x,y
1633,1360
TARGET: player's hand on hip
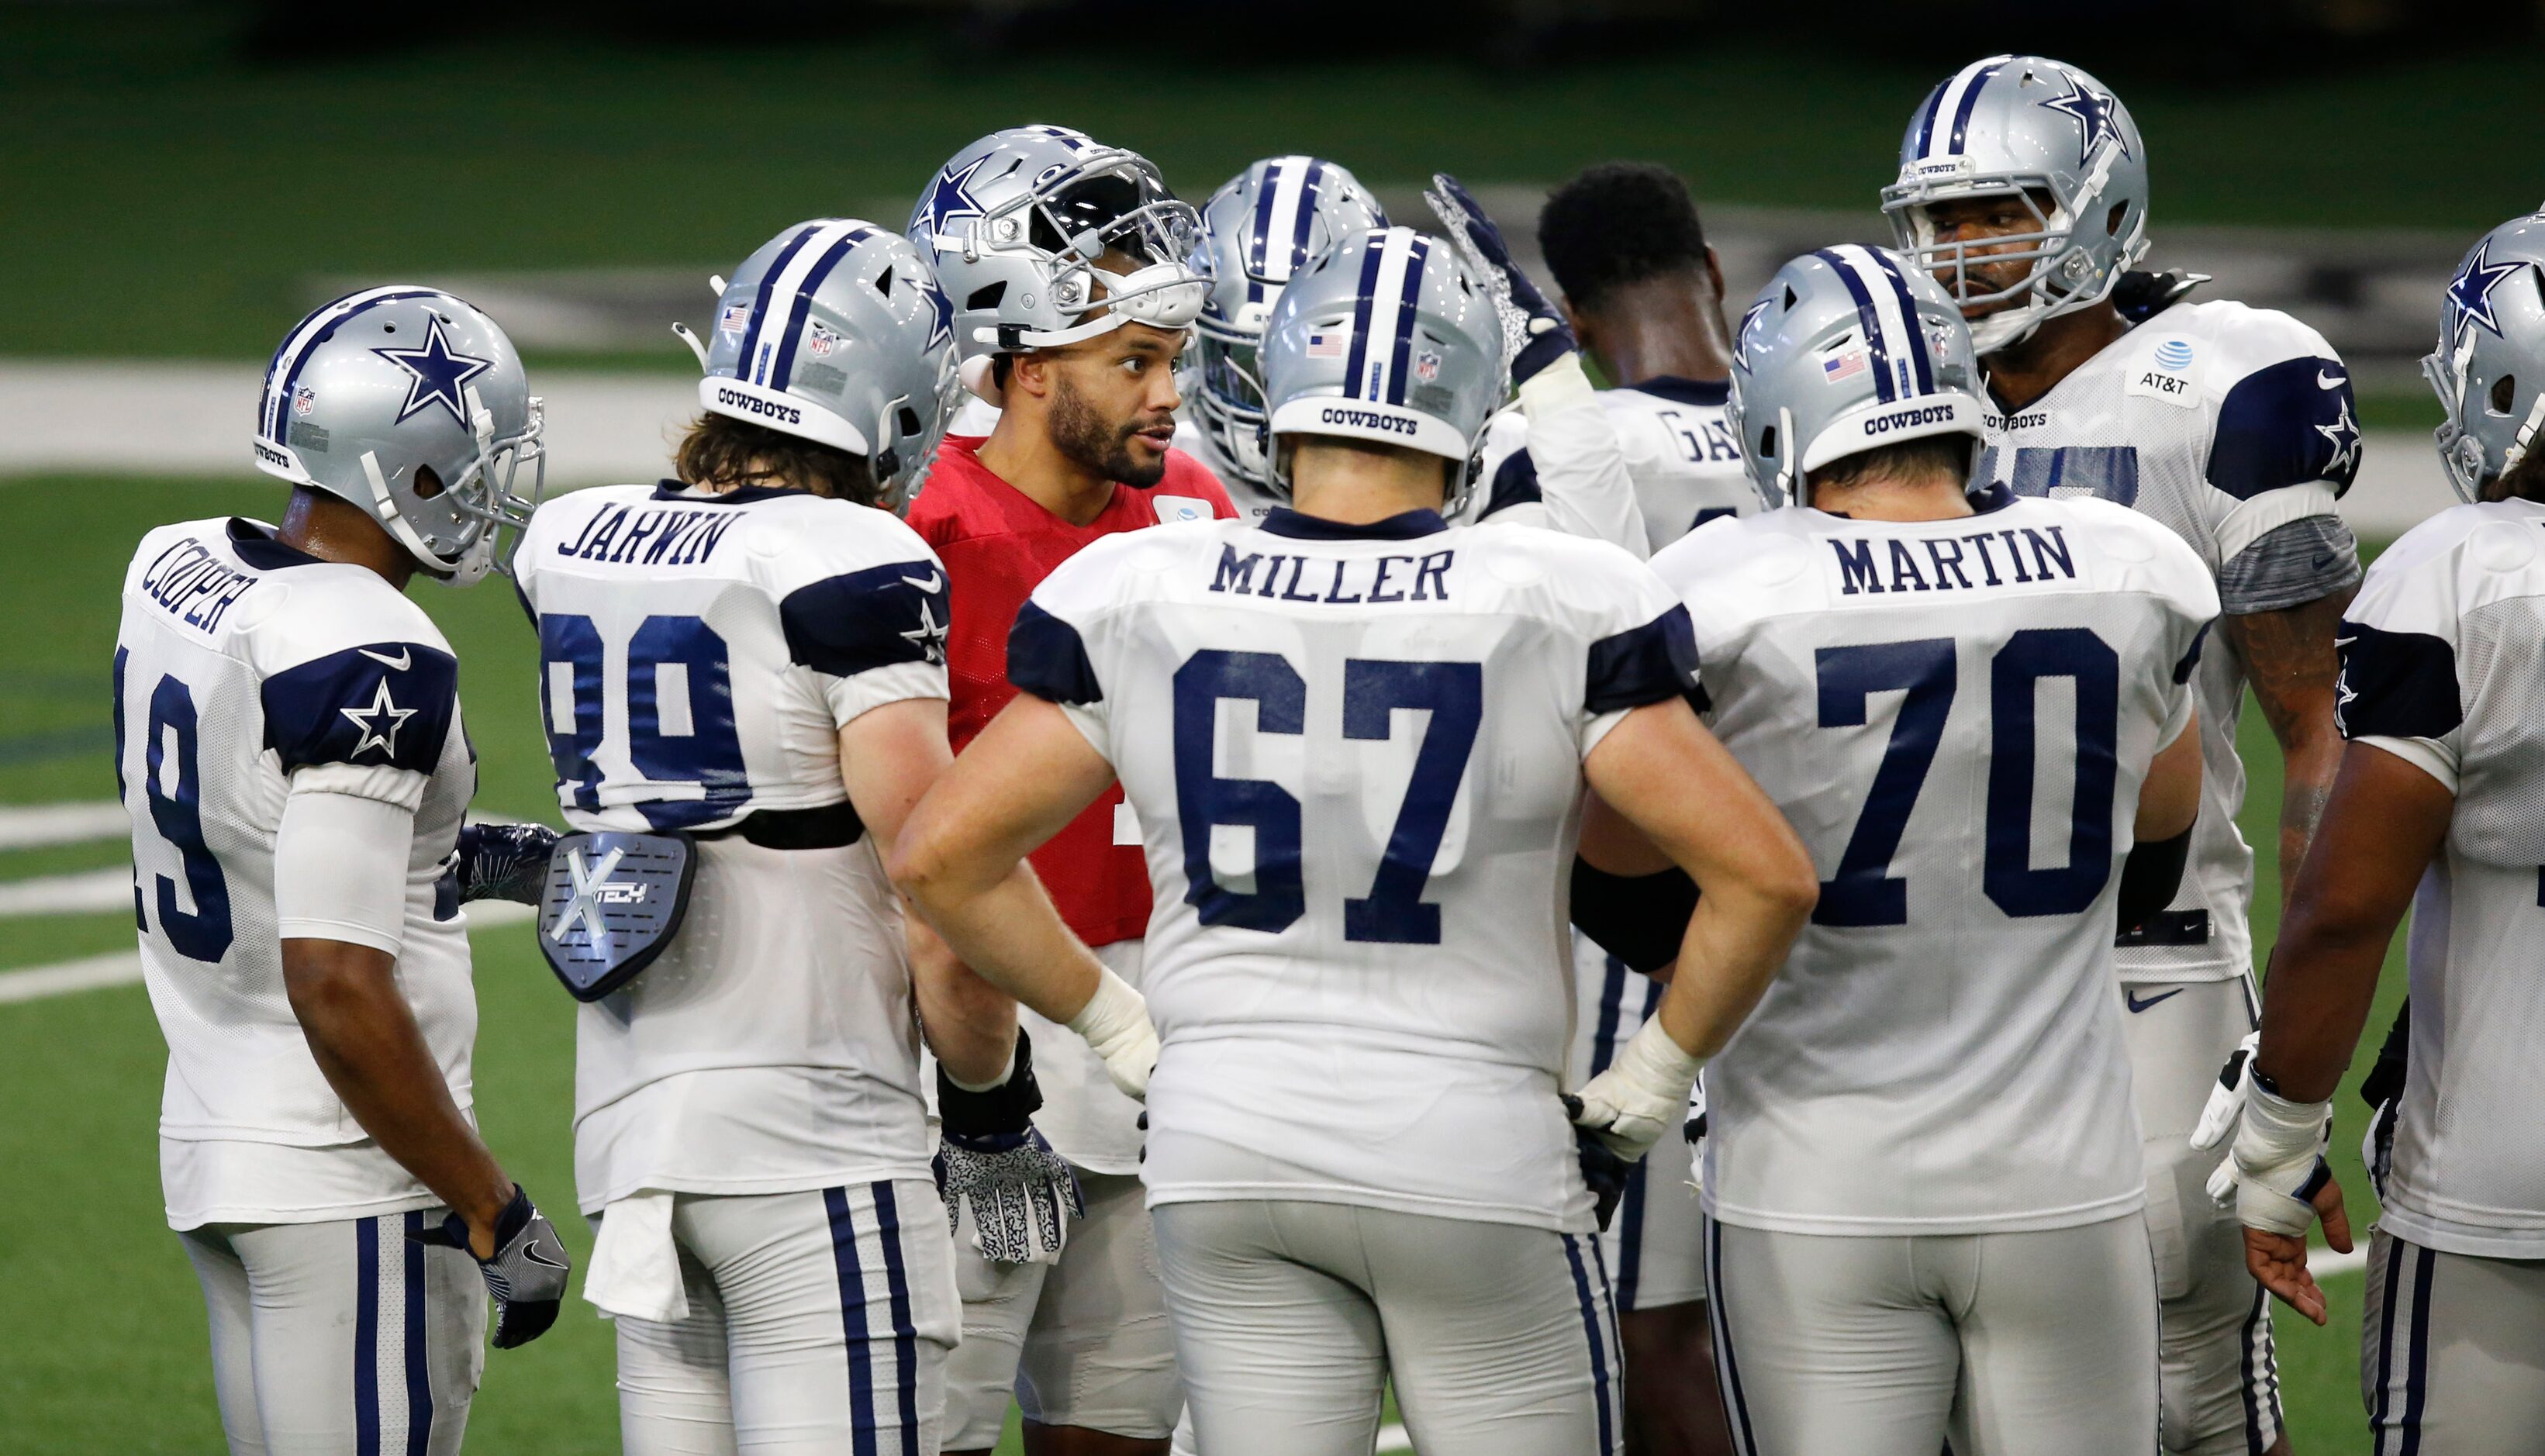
x,y
1535,331
1642,1096
1115,1023
525,1273
993,1164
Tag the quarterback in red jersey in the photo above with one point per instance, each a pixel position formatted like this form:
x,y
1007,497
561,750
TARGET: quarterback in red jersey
x,y
1070,302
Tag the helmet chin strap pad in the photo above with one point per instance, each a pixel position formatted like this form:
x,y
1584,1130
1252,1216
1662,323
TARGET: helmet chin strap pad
x,y
981,379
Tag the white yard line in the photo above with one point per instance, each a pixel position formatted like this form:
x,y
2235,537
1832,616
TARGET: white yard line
x,y
34,826
84,893
1392,1440
123,967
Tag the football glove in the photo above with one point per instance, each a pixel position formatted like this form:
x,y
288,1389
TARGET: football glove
x,y
504,862
2226,1104
1694,1129
1643,1093
1534,333
1603,1171
1116,1026
528,1274
991,1162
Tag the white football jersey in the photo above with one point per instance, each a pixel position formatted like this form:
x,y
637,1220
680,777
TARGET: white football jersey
x,y
1356,756
1684,458
241,666
2443,663
1956,716
2225,423
699,655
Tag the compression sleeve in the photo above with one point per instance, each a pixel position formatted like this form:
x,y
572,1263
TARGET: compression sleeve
x,y
1640,919
2149,877
340,868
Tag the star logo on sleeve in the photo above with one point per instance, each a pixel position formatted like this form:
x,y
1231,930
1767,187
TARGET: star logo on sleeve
x,y
2095,114
2470,293
949,199
2344,433
436,375
384,710
929,635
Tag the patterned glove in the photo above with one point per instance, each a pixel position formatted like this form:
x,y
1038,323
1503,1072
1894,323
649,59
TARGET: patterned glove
x,y
504,862
1694,1129
526,1275
989,1157
1534,333
2382,1088
1603,1171
2226,1105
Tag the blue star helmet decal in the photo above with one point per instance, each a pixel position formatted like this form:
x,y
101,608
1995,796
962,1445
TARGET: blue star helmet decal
x,y
941,327
2469,292
2093,110
949,199
1745,338
436,375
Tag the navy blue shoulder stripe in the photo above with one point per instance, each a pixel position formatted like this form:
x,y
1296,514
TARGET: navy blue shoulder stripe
x,y
2286,424
385,703
2394,685
1048,659
1652,663
855,622
1515,484
2191,655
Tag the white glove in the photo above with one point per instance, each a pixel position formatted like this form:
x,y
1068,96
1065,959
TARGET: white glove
x,y
1115,1023
1642,1095
2278,1163
2226,1105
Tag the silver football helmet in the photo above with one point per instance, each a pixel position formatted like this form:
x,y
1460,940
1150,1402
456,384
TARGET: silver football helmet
x,y
380,386
1848,349
1019,224
2022,126
836,331
1385,337
1257,231
2490,367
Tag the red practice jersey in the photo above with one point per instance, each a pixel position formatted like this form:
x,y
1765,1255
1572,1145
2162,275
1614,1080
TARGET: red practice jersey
x,y
998,545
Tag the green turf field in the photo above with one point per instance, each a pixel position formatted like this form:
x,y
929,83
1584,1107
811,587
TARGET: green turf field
x,y
106,1350
170,200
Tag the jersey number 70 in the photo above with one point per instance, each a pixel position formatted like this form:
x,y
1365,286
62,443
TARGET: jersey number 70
x,y
1863,891
1394,910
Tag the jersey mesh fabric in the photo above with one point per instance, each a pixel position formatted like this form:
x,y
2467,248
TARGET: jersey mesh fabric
x,y
772,1047
230,645
2140,425
998,545
1356,757
1682,453
2458,606
1941,1052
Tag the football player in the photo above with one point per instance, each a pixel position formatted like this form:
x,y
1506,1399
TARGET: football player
x,y
748,663
1356,738
1269,221
2435,808
288,741
2024,186
1644,295
1923,1187
1064,263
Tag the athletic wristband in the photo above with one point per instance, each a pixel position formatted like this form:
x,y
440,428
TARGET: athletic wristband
x,y
1652,1063
1116,1027
2279,1161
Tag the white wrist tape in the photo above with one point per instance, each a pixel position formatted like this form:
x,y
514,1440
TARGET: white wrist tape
x,y
340,870
1644,1092
1115,1025
1560,386
2280,1162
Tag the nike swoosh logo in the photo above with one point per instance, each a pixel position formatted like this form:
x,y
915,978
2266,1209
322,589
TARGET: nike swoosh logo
x,y
532,1253
399,663
2324,380
936,582
2137,1005
2320,562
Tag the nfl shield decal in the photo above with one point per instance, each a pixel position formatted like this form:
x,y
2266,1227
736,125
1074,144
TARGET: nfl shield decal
x,y
612,903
